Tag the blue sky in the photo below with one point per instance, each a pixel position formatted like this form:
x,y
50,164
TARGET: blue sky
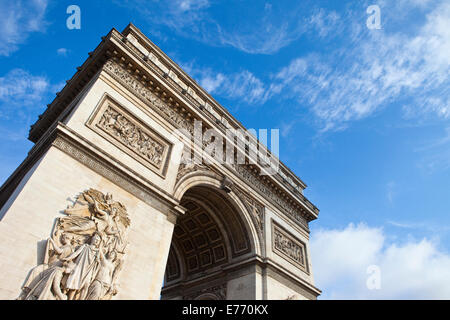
x,y
363,113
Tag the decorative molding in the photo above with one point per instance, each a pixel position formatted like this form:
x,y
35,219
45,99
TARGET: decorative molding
x,y
185,169
294,212
166,110
117,125
290,248
187,166
255,209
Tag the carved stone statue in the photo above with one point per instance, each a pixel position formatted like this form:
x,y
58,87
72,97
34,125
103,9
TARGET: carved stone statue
x,y
86,263
43,282
103,282
85,253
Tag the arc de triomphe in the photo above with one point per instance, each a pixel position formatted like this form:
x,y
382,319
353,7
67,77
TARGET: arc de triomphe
x,y
104,207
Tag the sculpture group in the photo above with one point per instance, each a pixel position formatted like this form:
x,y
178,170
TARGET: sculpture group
x,y
84,255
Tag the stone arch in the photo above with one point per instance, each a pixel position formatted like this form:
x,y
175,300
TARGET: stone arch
x,y
208,178
215,233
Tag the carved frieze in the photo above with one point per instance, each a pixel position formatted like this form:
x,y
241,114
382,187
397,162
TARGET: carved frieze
x,y
121,128
287,246
85,253
164,109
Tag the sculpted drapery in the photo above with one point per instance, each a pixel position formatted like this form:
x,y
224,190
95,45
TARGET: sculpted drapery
x,y
85,253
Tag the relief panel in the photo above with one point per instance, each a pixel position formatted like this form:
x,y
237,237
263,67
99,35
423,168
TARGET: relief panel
x,y
290,248
117,125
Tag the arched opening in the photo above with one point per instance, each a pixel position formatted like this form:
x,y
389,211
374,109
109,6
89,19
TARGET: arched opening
x,y
209,238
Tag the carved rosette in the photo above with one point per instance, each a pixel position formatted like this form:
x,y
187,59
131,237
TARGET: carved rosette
x,y
85,253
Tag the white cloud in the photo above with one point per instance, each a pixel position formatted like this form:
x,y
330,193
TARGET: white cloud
x,y
211,83
434,154
408,270
390,191
62,52
324,22
286,128
375,69
421,225
17,20
270,28
257,40
243,86
190,5
20,90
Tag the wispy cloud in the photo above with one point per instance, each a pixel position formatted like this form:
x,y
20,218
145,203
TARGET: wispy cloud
x,y
390,191
377,68
20,91
425,225
370,71
435,153
324,22
62,52
17,20
286,128
242,86
266,28
409,269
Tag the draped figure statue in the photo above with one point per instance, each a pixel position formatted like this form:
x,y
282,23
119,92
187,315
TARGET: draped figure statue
x,y
85,253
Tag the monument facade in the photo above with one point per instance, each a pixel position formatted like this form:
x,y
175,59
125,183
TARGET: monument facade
x,y
109,203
